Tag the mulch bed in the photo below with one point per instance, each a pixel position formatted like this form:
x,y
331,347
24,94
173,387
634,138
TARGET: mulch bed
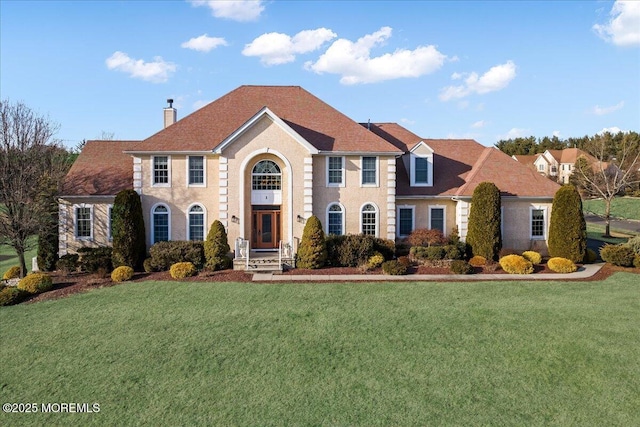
x,y
65,285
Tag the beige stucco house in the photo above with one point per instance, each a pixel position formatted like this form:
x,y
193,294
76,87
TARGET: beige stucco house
x,y
556,164
263,159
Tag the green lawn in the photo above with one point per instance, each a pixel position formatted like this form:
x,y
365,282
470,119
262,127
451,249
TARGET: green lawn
x,y
621,207
168,353
596,231
8,258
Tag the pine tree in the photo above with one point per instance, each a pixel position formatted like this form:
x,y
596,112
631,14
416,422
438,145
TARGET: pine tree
x,y
567,229
484,235
312,252
216,247
127,229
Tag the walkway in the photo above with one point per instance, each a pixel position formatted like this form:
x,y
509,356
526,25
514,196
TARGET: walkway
x,y
582,273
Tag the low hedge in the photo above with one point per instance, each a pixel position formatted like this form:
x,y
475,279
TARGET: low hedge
x,y
182,270
532,256
11,273
122,274
394,268
68,263
459,266
516,264
165,254
619,255
11,295
35,283
590,256
350,250
93,260
561,265
478,261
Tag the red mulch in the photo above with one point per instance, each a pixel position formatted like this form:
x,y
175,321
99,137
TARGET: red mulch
x,y
65,285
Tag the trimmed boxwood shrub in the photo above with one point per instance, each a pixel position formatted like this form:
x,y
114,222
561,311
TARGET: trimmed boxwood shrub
x,y
122,273
11,295
478,261
35,283
636,261
95,259
634,244
375,260
386,247
12,273
461,267
567,227
590,256
532,256
394,268
216,248
617,255
127,229
484,234
516,264
350,250
165,254
561,265
312,252
68,263
182,270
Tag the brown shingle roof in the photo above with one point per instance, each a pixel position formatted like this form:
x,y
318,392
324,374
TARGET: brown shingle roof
x,y
317,122
101,169
461,164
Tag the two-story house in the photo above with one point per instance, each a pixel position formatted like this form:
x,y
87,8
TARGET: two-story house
x,y
263,159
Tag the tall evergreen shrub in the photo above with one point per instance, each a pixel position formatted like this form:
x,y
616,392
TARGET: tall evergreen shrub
x,y
484,234
48,234
127,229
216,247
312,252
567,228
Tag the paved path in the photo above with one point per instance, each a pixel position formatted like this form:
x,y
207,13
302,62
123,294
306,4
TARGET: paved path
x,y
584,272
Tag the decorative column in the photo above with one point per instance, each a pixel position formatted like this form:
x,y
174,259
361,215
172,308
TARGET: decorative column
x,y
391,199
223,176
308,187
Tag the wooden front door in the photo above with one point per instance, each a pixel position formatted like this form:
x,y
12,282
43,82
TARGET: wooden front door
x,y
265,229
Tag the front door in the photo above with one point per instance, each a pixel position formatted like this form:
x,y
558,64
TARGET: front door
x,y
265,229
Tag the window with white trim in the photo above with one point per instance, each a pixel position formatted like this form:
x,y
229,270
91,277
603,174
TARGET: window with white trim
x,y
538,223
195,170
335,219
335,171
266,175
437,218
161,224
369,220
406,219
160,170
196,222
83,221
369,171
541,167
421,170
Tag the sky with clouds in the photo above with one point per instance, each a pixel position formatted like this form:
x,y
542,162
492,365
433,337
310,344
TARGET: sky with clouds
x,y
481,70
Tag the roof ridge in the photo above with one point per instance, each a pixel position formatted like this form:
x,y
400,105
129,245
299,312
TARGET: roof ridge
x,y
475,169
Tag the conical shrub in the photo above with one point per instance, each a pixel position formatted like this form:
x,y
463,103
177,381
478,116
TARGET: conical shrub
x,y
484,235
216,248
567,228
312,252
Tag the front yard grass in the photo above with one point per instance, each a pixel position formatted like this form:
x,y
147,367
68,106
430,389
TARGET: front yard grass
x,y
621,207
8,257
170,353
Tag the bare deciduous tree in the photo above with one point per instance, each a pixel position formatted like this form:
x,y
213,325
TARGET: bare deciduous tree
x,y
30,158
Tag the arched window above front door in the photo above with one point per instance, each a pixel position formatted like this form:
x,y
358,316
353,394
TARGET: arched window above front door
x,y
266,175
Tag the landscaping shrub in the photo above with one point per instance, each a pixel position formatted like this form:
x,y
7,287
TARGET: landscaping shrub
x,y
375,260
312,251
11,295
94,259
454,251
35,283
430,253
182,270
394,268
561,265
484,234
590,256
532,256
617,255
461,267
127,229
478,261
68,263
386,247
149,266
516,264
12,273
122,273
48,246
405,260
349,250
165,254
426,237
567,227
216,248
634,244
636,261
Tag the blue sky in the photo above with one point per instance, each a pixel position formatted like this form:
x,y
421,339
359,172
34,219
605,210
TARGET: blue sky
x,y
482,70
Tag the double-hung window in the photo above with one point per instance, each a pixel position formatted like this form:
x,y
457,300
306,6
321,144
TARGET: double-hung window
x,y
436,218
83,222
335,171
161,224
369,220
538,222
196,170
405,220
369,170
335,219
196,223
161,170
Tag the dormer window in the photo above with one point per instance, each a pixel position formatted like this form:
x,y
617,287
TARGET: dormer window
x,y
421,165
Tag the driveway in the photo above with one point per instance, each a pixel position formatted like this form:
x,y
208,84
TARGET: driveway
x,y
617,224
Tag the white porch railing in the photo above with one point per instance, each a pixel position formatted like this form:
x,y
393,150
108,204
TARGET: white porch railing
x,y
242,251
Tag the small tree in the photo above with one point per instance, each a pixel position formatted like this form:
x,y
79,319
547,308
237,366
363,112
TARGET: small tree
x,y
567,229
216,247
484,234
127,229
48,234
312,252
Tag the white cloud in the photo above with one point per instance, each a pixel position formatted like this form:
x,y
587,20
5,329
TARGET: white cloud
x,y
236,10
278,48
204,43
463,105
601,111
612,130
157,71
556,133
353,61
495,79
479,124
623,27
515,133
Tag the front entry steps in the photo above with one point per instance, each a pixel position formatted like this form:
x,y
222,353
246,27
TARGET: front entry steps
x,y
263,262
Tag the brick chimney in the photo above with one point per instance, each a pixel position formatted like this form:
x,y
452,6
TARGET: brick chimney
x,y
170,114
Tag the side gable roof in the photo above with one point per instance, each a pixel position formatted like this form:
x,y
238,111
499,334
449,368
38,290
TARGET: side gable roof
x,y
321,125
101,169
